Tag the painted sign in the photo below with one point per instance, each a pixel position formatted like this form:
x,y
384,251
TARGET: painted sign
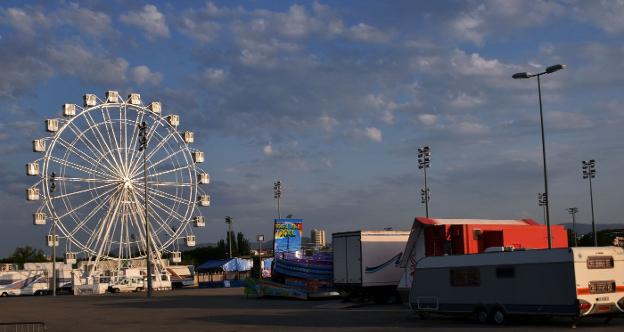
x,y
287,235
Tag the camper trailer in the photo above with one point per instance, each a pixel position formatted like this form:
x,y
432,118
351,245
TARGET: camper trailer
x,y
182,275
571,282
21,282
365,262
438,237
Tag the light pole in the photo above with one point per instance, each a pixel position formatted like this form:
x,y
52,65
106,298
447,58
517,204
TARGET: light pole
x,y
548,70
589,172
277,194
143,147
573,211
228,221
542,200
260,239
424,161
51,189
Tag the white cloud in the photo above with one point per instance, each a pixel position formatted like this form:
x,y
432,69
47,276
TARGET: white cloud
x,y
474,64
214,75
150,20
142,74
464,100
566,120
428,119
470,28
267,150
328,123
25,21
78,60
367,33
204,31
371,133
470,128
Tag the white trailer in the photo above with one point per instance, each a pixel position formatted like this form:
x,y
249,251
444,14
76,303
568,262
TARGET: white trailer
x,y
181,275
22,282
365,262
571,282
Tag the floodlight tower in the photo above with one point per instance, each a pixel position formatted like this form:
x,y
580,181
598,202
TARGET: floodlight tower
x,y
573,211
277,194
424,161
589,172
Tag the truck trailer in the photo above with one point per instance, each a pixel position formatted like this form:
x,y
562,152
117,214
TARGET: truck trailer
x,y
365,262
572,282
24,282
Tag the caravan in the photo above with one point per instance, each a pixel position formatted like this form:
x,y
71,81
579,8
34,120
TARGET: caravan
x,y
571,282
22,282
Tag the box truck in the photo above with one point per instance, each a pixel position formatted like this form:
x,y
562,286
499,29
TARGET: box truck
x,y
365,262
22,282
572,282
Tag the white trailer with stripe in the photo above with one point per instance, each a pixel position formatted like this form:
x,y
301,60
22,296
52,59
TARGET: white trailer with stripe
x,y
22,282
365,262
571,282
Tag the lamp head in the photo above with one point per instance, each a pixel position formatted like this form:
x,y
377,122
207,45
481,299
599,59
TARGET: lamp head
x,y
522,75
554,68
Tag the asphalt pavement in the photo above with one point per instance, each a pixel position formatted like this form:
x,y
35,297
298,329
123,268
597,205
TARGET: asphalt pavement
x,y
229,310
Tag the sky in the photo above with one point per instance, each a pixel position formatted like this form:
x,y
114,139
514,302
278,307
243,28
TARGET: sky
x,y
334,98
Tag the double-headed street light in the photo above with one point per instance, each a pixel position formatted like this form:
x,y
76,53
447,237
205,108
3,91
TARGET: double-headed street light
x,y
548,70
589,172
51,188
277,194
542,200
228,221
424,161
573,211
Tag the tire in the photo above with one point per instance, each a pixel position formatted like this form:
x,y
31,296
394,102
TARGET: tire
x,y
499,317
5,294
481,315
115,290
139,289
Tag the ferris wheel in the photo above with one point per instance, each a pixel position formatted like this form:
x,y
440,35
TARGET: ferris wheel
x,y
100,163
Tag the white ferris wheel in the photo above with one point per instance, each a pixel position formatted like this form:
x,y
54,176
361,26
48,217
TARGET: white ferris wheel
x,y
91,181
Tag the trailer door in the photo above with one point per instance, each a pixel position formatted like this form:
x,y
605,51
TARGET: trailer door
x,y
354,260
340,259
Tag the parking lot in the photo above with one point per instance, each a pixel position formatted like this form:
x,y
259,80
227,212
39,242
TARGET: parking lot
x,y
230,310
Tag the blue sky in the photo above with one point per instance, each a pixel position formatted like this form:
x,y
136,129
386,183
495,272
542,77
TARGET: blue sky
x,y
334,98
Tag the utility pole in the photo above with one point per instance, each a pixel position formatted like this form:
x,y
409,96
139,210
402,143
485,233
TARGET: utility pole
x,y
143,147
589,172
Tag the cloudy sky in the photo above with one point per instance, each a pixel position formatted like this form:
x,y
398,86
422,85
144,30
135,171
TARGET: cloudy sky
x,y
334,99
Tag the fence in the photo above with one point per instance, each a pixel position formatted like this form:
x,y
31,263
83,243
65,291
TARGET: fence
x,y
23,327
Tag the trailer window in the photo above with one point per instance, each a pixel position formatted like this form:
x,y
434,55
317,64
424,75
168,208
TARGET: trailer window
x,y
600,262
465,278
506,272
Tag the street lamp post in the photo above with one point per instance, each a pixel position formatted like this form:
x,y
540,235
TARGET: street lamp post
x,y
424,161
573,211
228,221
51,188
589,172
548,70
143,147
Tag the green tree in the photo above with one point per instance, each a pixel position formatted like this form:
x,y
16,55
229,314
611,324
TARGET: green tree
x,y
242,244
25,254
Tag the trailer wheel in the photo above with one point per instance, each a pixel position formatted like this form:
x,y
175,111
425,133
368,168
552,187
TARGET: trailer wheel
x,y
481,315
4,294
499,316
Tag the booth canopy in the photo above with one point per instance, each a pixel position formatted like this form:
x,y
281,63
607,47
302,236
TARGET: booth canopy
x,y
228,265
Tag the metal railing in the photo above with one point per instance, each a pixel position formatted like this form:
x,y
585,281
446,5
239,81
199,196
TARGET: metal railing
x,y
23,327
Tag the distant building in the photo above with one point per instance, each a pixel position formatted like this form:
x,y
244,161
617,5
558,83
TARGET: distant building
x,y
318,237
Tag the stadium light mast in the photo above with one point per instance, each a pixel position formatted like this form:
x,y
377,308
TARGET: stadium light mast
x,y
573,211
424,161
589,172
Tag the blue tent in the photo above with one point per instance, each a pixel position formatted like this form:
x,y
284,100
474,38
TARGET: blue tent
x,y
228,265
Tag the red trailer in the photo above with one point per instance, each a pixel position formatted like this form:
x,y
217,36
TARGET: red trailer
x,y
437,237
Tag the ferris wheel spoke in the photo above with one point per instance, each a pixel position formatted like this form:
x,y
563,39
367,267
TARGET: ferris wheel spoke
x,y
104,232
165,194
72,211
75,179
170,184
82,154
134,141
101,140
97,152
169,211
150,153
112,137
169,171
73,165
82,191
153,166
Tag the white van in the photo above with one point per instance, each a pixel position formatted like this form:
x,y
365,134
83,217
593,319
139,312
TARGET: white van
x,y
13,283
573,282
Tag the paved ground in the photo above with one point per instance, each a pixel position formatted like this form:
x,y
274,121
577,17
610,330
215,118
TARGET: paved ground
x,y
228,310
